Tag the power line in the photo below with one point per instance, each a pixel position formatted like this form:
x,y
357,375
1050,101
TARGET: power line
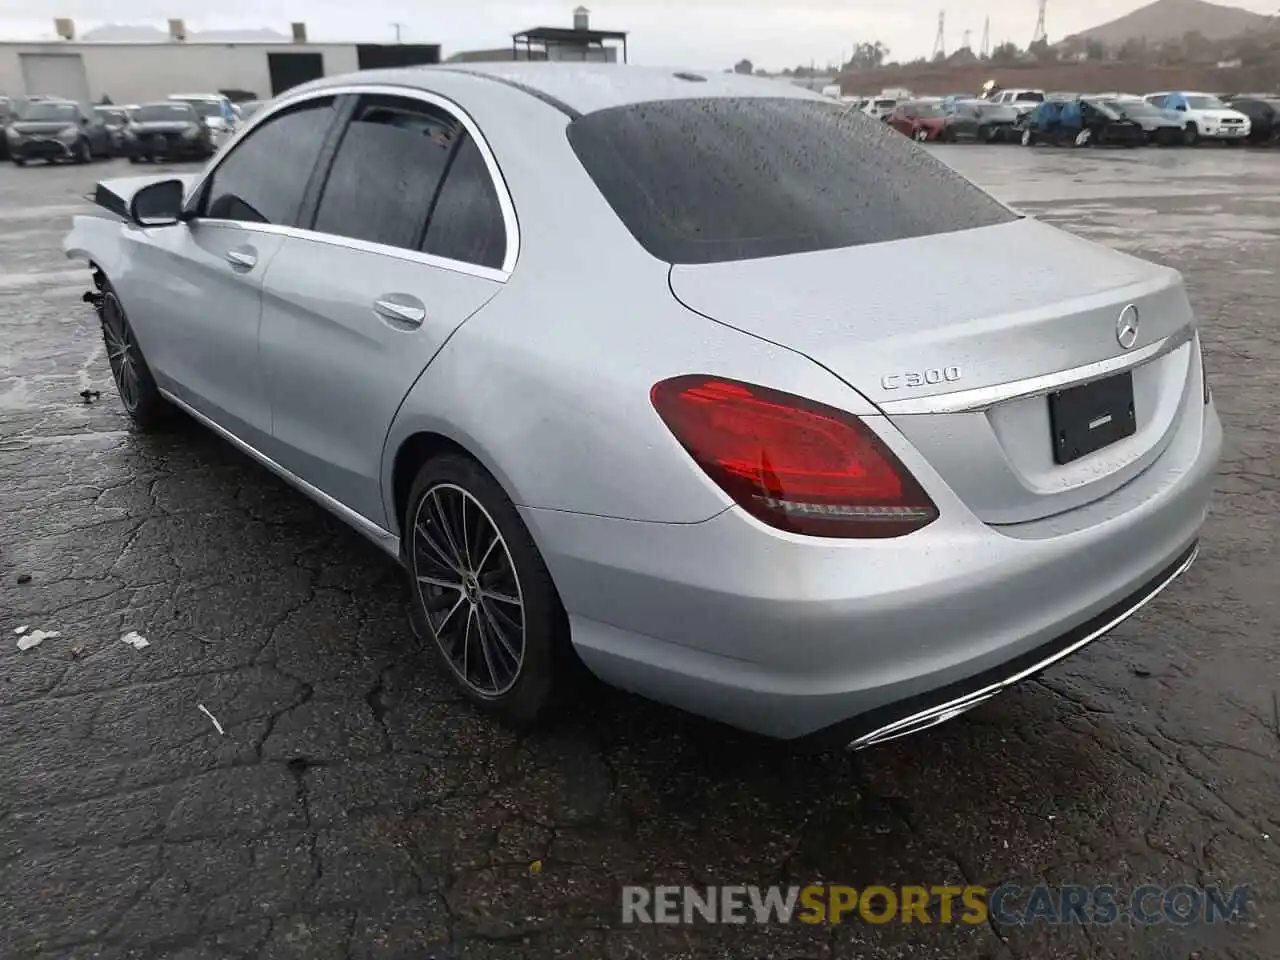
x,y
1041,33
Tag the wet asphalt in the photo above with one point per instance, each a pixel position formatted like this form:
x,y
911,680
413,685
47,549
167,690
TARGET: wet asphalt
x,y
354,808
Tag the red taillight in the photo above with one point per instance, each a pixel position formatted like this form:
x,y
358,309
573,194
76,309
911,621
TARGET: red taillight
x,y
793,463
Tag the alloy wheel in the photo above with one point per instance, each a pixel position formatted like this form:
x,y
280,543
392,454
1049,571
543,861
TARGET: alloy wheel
x,y
122,351
469,589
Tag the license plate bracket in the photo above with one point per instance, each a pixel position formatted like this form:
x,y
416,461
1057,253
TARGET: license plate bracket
x,y
1086,418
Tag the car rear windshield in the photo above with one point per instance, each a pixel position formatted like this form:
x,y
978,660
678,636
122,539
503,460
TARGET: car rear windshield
x,y
1029,96
164,113
711,180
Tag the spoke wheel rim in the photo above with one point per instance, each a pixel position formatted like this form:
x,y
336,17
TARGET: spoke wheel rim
x,y
122,351
469,590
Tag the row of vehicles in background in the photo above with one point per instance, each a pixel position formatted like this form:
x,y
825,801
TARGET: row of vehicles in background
x,y
184,126
1030,117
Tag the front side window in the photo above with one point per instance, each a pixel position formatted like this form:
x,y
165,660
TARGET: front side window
x,y
1029,96
1205,103
385,174
264,178
466,223
708,180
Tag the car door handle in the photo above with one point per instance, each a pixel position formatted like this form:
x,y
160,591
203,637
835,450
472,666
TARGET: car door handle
x,y
245,257
401,309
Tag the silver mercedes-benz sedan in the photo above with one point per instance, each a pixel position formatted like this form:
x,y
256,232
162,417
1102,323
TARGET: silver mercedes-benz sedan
x,y
703,382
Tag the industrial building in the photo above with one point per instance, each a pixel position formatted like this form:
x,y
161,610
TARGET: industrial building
x,y
133,72
576,43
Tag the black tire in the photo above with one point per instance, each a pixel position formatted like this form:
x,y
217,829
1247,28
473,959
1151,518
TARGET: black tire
x,y
510,567
83,153
19,161
137,388
135,159
1191,135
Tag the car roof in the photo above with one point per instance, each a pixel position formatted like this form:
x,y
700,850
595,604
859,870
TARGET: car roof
x,y
583,87
194,96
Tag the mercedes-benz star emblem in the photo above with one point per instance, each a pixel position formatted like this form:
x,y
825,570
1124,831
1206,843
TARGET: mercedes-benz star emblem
x,y
1127,327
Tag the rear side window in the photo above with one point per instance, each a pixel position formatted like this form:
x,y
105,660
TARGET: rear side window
x,y
263,179
466,222
709,180
385,174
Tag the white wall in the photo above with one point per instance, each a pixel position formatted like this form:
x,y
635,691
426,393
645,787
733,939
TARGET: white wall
x,y
129,73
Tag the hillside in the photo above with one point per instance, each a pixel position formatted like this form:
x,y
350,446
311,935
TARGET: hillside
x,y
1167,20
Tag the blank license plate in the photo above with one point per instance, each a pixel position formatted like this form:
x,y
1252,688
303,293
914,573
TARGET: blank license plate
x,y
1091,416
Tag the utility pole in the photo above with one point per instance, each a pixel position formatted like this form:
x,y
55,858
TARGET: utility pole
x,y
396,27
939,43
965,43
986,39
1041,33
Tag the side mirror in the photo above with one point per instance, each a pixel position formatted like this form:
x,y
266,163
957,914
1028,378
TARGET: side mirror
x,y
158,204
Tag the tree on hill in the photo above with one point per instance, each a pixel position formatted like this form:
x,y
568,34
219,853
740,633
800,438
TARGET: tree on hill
x,y
1095,50
744,66
1041,50
1005,53
868,56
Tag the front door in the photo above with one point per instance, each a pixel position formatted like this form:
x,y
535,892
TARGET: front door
x,y
355,311
198,318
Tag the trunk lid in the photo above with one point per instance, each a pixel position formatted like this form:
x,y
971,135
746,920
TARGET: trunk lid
x,y
931,329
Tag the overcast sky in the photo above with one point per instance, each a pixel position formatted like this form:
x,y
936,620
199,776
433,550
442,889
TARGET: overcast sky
x,y
698,33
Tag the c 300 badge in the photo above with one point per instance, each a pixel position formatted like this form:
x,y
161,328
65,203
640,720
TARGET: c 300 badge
x,y
912,379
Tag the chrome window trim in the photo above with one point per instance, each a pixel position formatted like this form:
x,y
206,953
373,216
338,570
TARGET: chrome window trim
x,y
348,243
979,399
385,539
510,223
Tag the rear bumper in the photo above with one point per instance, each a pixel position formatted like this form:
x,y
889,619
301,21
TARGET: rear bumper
x,y
856,642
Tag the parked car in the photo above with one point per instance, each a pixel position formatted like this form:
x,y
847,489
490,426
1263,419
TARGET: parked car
x,y
114,119
980,120
879,108
1263,111
759,492
1022,100
8,113
56,130
1160,127
1080,123
919,119
214,110
1207,117
166,130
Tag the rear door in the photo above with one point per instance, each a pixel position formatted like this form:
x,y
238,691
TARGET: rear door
x,y
196,296
408,239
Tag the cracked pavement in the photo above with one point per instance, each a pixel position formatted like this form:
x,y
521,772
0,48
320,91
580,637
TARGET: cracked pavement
x,y
355,808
